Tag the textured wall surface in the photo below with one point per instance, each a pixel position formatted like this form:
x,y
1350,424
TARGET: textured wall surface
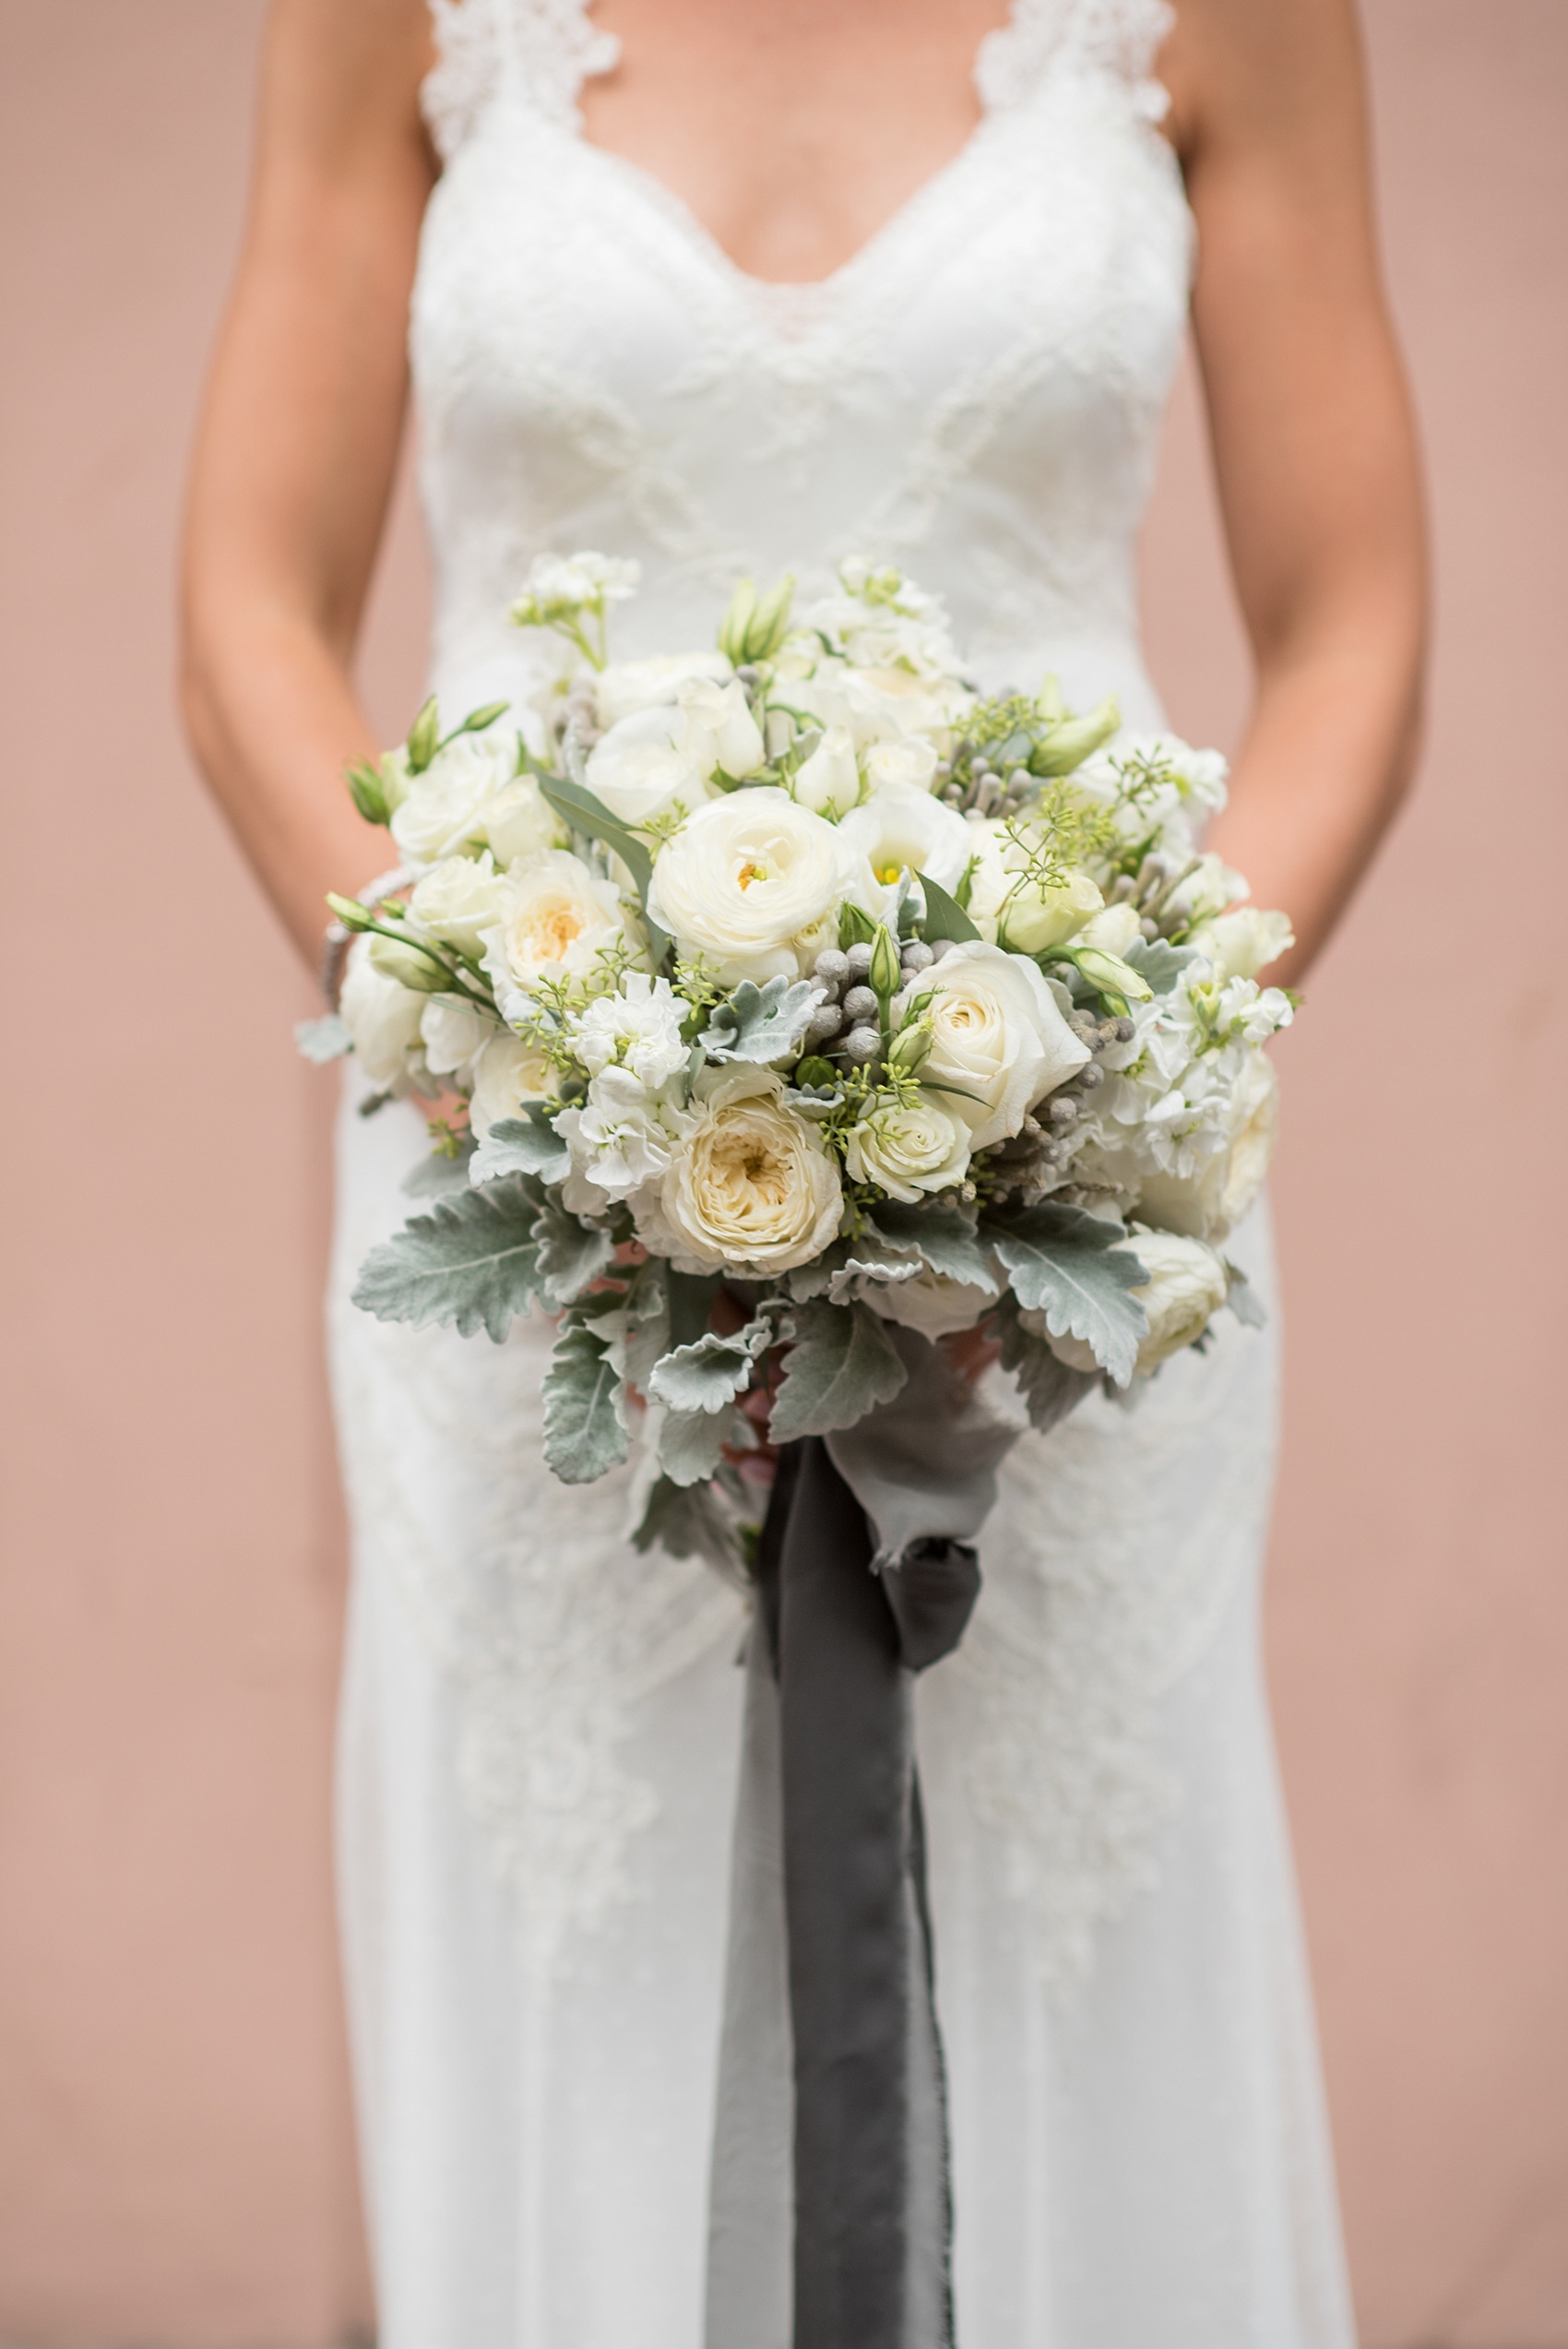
x,y
176,2155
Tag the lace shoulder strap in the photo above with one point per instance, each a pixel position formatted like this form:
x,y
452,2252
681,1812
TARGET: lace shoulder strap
x,y
1117,37
538,52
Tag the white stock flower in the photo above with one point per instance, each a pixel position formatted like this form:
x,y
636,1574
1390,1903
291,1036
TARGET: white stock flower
x,y
382,1016
751,1187
908,1149
907,765
1008,903
519,821
558,585
1241,943
507,1075
444,808
751,883
829,782
627,686
932,1302
454,1034
1209,1201
900,829
1207,891
639,1027
555,919
618,1138
457,900
999,1041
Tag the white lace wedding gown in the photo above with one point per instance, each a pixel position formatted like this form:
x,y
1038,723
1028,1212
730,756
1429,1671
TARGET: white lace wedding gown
x,y
538,1739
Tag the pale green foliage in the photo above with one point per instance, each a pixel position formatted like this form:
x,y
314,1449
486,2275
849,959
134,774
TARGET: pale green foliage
x,y
472,1261
584,1411
842,1365
1068,1265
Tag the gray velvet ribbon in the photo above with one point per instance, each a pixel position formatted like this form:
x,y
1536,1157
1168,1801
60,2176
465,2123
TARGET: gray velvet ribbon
x,y
831,2216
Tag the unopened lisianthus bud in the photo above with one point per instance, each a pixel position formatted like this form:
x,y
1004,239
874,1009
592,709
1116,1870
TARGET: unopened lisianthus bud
x,y
408,966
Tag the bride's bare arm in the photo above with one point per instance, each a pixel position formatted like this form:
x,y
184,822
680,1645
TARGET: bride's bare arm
x,y
1315,451
299,440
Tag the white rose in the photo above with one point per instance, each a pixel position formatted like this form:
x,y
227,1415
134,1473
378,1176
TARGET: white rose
x,y
628,687
519,821
998,1039
618,1138
382,1016
555,919
1007,905
908,1149
909,765
752,881
829,782
454,1035
444,808
643,765
898,829
458,899
507,1074
638,1026
751,1188
932,1302
1241,943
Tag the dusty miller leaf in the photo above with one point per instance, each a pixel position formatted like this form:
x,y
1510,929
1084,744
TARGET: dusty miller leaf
x,y
709,1374
518,1146
1049,1387
584,1411
472,1261
1242,1298
1067,1265
323,1040
841,1365
690,1444
571,1254
760,1023
947,1240
1157,962
437,1175
688,1521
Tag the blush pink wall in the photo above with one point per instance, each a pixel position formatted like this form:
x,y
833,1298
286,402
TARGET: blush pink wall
x,y
175,2159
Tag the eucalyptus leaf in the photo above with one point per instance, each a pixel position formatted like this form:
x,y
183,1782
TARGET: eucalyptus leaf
x,y
585,812
571,1254
841,1365
323,1040
472,1261
944,917
1068,1265
1049,1387
760,1023
585,1409
519,1146
709,1374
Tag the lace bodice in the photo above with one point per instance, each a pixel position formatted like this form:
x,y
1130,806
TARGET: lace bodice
x,y
975,394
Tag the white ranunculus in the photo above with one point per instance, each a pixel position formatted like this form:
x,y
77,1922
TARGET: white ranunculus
x,y
1241,943
1009,907
752,883
618,1139
444,808
999,1042
519,821
639,1027
382,1016
458,899
909,765
829,782
932,1302
908,1149
507,1075
902,829
454,1034
627,686
556,917
647,764
750,1188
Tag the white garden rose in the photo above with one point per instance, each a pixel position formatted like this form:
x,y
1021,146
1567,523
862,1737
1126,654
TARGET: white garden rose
x,y
932,1302
626,687
382,1016
900,830
829,782
556,918
507,1075
750,1188
720,731
646,764
752,883
909,1149
454,1034
638,1028
444,807
909,765
458,899
999,1042
1241,943
519,821
879,705
1007,904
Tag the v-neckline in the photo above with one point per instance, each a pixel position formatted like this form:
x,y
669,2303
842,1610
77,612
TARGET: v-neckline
x,y
798,293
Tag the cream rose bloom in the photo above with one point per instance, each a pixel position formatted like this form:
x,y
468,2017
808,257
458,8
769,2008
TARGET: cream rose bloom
x,y
555,918
507,1074
999,1042
1210,1204
444,807
750,1188
752,883
382,1016
458,899
901,830
908,1149
901,766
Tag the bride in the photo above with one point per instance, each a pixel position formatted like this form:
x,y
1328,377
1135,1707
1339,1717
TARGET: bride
x,y
734,289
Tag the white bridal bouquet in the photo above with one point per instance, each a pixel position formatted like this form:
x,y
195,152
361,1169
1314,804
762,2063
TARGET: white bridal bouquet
x,y
774,1001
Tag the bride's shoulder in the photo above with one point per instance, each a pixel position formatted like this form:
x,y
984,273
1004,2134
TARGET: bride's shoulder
x,y
1243,76
345,72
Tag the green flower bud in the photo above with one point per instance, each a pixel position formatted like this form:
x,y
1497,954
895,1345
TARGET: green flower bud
x,y
350,912
423,736
737,619
767,630
886,970
365,790
814,1070
408,966
855,928
477,720
911,1046
1070,741
1107,974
